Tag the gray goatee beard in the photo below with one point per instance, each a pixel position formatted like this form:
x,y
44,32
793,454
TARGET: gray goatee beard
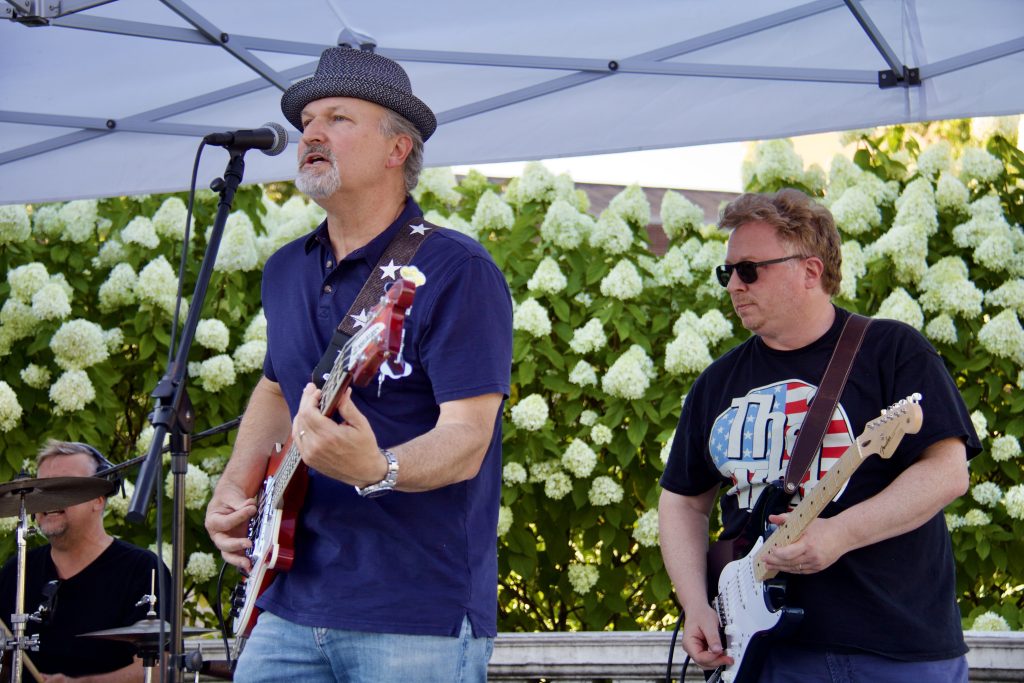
x,y
319,184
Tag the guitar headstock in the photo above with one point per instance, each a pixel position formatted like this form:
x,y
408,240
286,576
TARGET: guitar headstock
x,y
883,434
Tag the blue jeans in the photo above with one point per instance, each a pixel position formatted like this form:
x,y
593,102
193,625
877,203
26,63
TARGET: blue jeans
x,y
788,664
280,650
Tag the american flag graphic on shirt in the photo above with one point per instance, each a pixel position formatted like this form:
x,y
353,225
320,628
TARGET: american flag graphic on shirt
x,y
752,439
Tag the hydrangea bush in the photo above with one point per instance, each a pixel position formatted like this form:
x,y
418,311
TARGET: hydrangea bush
x,y
608,338
85,317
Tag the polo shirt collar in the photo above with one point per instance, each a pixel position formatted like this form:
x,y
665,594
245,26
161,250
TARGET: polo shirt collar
x,y
374,249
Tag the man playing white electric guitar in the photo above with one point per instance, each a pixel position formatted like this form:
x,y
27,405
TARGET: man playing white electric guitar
x,y
859,570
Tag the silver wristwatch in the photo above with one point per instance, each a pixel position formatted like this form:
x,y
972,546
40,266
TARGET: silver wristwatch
x,y
386,484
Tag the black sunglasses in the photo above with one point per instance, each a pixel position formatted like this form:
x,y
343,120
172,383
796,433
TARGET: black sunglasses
x,y
747,270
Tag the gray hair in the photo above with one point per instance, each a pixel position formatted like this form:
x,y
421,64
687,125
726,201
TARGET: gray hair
x,y
394,123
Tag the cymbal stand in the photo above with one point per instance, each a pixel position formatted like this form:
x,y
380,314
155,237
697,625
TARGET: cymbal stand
x,y
20,642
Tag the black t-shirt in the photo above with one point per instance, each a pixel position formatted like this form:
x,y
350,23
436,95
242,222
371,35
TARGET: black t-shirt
x,y
739,422
101,596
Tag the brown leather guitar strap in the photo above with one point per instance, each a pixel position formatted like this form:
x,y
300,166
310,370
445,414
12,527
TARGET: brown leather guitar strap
x,y
823,405
397,254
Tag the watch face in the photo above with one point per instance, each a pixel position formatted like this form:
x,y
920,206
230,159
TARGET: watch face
x,y
376,492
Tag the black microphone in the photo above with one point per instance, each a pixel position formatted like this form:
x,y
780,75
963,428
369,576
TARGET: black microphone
x,y
271,139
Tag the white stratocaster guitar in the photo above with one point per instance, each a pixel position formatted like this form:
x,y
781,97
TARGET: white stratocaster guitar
x,y
272,531
750,604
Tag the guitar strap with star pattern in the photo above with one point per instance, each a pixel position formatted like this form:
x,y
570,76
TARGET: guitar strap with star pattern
x,y
398,253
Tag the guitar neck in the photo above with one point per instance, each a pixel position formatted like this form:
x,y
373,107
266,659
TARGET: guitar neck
x,y
809,508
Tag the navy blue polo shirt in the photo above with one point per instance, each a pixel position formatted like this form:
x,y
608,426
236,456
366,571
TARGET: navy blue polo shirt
x,y
414,563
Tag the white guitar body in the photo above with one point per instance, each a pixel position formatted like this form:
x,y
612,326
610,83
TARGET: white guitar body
x,y
751,614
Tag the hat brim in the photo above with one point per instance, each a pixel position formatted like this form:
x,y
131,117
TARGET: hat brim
x,y
411,107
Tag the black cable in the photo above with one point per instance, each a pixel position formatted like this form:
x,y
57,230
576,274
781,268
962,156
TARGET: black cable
x,y
672,651
184,254
219,613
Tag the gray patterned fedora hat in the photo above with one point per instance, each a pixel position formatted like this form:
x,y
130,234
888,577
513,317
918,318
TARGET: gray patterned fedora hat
x,y
347,72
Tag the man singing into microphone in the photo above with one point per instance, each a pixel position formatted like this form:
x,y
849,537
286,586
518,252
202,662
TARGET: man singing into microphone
x,y
395,574
85,579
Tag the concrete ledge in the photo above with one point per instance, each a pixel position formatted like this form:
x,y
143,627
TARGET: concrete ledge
x,y
636,656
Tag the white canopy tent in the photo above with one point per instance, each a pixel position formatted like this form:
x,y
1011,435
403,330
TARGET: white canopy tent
x,y
109,98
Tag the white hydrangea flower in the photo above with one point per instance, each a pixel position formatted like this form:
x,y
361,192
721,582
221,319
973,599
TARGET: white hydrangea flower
x,y
954,522
530,413
564,189
26,280
583,577
169,219
901,306
1002,336
117,504
611,233
213,334
630,375
35,376
980,424
673,268
646,531
601,435
15,225
114,339
1013,500
579,458
950,193
119,288
855,211
948,290
843,174
990,621
985,127
622,282
977,164
987,493
1002,252
605,491
583,374
51,302
72,392
565,226
557,485
666,450
1010,294
906,243
588,418
854,266
10,408
17,320
250,355
583,299
776,160
513,473
631,203
589,338
77,220
201,567
531,318
111,253
1004,448
140,231
440,182
214,373
505,519
987,219
238,250
688,353
79,344
460,224
257,328
935,159
158,285
540,471
536,184
45,222
548,278
941,329
197,487
679,215
976,518
492,214
708,257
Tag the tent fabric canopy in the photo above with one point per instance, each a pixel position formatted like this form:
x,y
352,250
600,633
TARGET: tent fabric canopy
x,y
108,98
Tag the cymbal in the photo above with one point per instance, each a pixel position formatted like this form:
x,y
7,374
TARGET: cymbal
x,y
50,493
143,632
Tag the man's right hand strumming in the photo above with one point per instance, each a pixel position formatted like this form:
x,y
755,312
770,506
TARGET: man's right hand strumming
x,y
227,522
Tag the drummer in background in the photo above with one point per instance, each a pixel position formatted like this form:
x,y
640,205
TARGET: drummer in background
x,y
88,579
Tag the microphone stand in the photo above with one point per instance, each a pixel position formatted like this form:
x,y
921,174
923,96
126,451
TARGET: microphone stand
x,y
174,414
